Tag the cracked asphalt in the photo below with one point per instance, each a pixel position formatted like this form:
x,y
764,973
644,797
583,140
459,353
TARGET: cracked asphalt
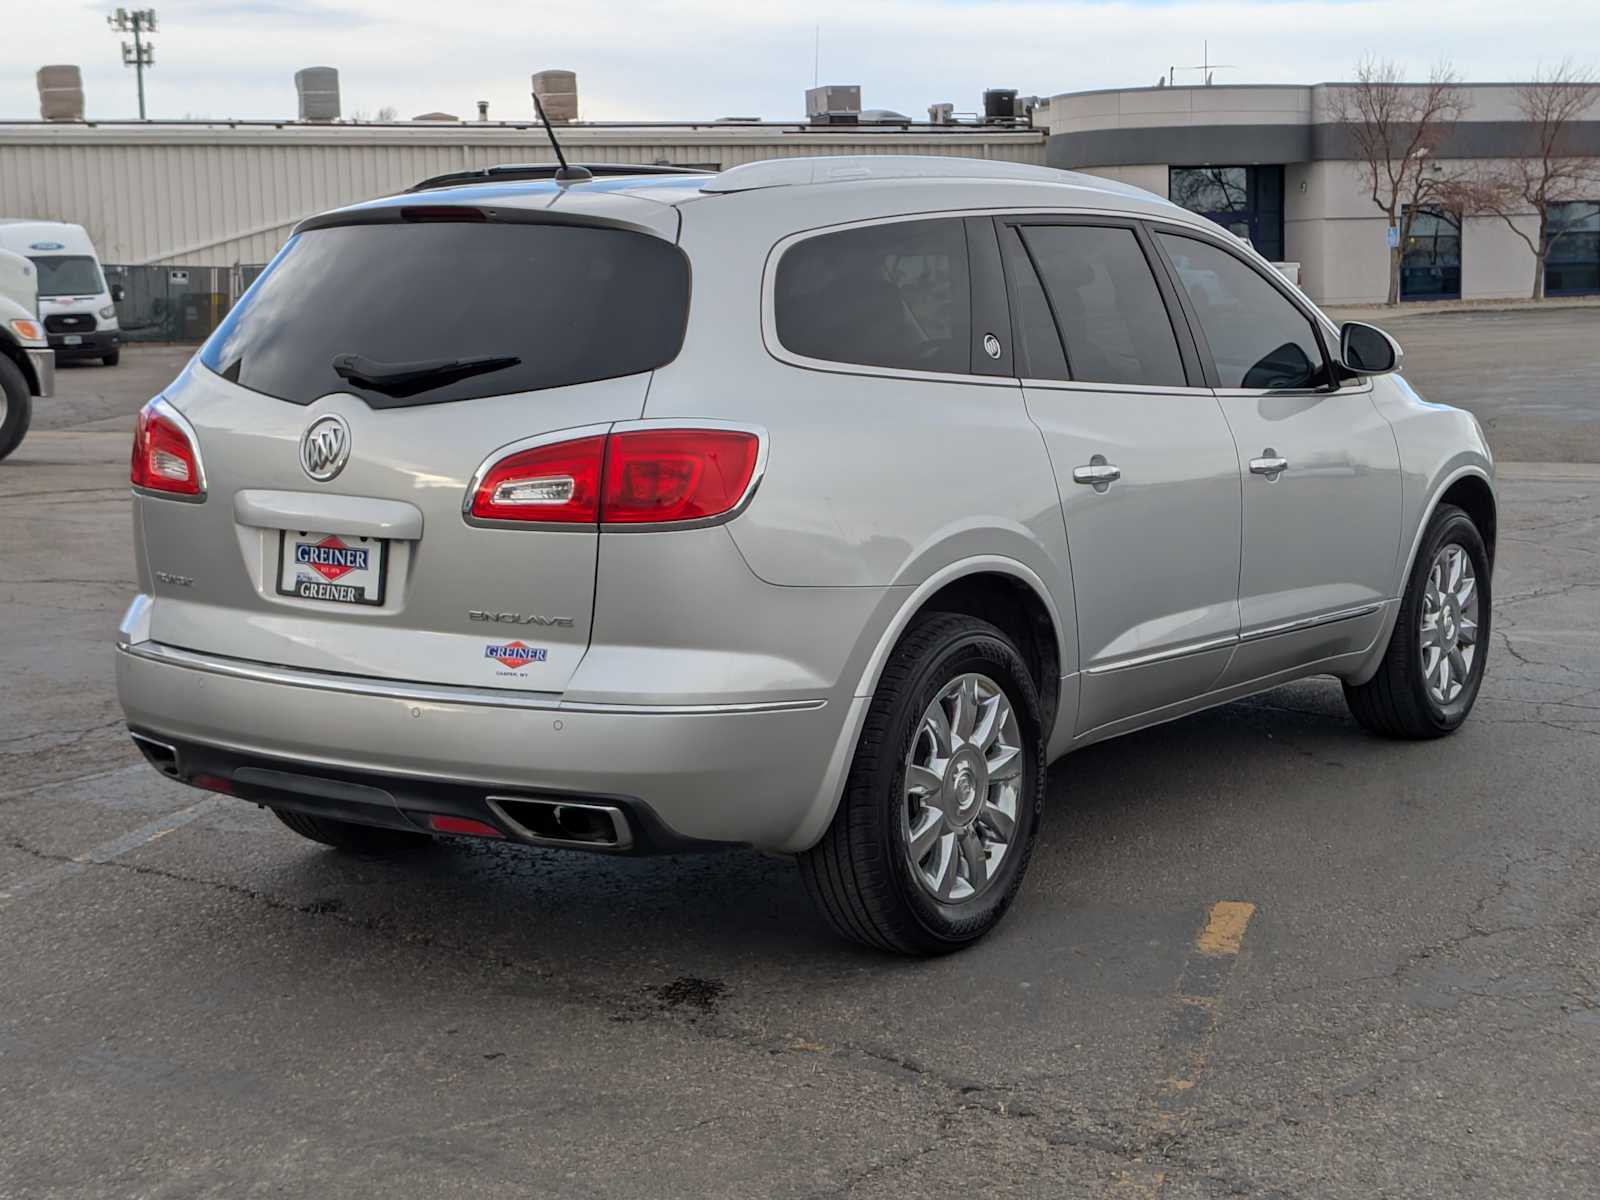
x,y
1258,953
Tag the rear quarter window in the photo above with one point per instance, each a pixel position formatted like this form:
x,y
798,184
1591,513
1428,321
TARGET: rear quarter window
x,y
558,304
894,295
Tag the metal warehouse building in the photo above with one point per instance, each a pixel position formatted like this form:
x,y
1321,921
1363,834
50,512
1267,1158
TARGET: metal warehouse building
x,y
189,211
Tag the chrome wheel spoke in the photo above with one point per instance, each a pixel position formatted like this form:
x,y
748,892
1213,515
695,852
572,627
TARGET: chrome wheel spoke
x,y
1000,822
1467,633
925,780
1464,590
925,831
966,708
975,858
1005,763
949,869
937,722
995,714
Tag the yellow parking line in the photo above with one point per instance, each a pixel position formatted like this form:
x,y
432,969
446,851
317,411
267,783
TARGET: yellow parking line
x,y
1225,927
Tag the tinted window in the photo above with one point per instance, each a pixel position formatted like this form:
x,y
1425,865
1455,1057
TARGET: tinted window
x,y
1258,338
1032,325
68,275
892,295
558,304
1106,304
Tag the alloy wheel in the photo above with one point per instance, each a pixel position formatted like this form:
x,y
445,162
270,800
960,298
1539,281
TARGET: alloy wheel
x,y
1449,635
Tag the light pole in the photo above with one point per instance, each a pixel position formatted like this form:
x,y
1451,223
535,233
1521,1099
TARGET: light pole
x,y
140,54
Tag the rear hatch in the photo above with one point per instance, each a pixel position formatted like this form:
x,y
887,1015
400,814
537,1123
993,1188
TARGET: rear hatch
x,y
343,408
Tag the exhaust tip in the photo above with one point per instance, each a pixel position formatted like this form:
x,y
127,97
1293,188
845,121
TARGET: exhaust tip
x,y
565,822
159,755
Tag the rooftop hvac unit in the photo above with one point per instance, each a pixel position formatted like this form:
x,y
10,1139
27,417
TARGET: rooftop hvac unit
x,y
61,93
318,89
834,104
942,114
1000,106
558,93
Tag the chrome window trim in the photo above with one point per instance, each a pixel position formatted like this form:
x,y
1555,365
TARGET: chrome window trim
x,y
237,668
1142,389
769,272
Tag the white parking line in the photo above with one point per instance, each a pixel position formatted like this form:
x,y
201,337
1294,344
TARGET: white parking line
x,y
113,849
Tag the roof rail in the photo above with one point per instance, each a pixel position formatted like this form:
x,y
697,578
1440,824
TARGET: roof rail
x,y
512,172
850,168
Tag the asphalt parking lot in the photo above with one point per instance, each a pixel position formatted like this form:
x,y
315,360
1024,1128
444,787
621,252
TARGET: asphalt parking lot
x,y
1258,952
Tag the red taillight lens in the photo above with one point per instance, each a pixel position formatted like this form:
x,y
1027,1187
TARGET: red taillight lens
x,y
676,474
640,476
164,459
441,823
560,482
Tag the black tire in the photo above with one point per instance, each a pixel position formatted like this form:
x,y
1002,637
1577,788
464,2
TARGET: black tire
x,y
18,408
347,835
1396,702
111,359
860,875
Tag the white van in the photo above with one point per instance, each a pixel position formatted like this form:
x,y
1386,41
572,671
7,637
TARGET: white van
x,y
78,310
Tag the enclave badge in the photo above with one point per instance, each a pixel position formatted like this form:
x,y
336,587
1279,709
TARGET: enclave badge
x,y
325,447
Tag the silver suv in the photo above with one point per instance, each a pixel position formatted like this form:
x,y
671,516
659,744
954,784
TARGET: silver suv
x,y
815,506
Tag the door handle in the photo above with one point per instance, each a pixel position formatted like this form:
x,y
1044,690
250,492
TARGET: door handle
x,y
1269,464
1098,474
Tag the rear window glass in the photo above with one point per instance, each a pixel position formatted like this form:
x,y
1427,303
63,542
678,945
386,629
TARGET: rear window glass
x,y
518,307
893,295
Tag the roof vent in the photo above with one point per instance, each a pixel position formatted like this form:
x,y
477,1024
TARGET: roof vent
x,y
1000,106
483,110
318,89
61,93
834,104
558,93
942,114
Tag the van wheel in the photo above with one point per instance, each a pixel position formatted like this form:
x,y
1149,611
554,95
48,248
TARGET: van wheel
x,y
16,406
111,359
941,808
347,835
1434,664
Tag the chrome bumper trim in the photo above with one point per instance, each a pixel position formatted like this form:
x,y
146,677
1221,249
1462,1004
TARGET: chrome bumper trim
x,y
44,366
237,668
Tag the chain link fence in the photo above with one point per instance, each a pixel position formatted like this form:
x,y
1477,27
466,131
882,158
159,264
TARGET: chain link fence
x,y
177,304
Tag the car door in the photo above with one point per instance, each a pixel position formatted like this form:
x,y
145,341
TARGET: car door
x,y
1144,462
1319,464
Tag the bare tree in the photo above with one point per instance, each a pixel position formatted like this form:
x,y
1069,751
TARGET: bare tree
x,y
387,114
1393,128
1550,174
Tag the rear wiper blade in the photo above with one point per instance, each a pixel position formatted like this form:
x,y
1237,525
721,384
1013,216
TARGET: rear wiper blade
x,y
408,378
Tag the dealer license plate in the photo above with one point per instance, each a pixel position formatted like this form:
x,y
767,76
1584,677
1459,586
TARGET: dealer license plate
x,y
332,566
72,339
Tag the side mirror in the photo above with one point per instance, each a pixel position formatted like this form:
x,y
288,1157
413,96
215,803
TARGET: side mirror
x,y
116,293
1368,350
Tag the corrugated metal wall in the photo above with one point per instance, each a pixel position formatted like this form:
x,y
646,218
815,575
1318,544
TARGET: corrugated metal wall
x,y
188,196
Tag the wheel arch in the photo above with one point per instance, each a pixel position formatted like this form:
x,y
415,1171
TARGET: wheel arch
x,y
12,350
985,586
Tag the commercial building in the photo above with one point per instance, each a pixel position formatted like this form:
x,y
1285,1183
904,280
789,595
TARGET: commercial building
x,y
1276,165
208,202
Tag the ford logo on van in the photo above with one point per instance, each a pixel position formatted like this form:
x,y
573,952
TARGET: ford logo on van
x,y
46,246
325,447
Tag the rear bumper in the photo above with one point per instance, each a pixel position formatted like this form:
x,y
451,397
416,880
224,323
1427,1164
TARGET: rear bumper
x,y
747,774
93,345
43,363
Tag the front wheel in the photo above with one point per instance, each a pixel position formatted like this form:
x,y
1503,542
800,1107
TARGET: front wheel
x,y
1433,667
941,809
16,406
111,359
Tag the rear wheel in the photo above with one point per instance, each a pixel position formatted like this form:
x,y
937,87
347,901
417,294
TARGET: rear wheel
x,y
111,359
1433,667
347,835
16,406
941,808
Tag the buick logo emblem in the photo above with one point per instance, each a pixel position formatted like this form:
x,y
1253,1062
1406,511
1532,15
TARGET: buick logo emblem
x,y
325,447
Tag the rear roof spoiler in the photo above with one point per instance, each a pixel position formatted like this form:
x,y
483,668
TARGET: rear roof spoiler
x,y
512,172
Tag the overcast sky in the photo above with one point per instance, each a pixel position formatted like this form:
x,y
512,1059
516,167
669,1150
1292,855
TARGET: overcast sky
x,y
708,58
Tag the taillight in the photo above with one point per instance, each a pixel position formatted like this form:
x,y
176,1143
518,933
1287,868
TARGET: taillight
x,y
559,482
675,474
632,477
165,457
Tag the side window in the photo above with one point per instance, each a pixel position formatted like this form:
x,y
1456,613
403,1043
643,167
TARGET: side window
x,y
1033,328
1258,339
891,295
1107,306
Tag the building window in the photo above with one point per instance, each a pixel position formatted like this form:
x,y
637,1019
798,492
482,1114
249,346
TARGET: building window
x,y
1574,262
1246,201
1430,268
